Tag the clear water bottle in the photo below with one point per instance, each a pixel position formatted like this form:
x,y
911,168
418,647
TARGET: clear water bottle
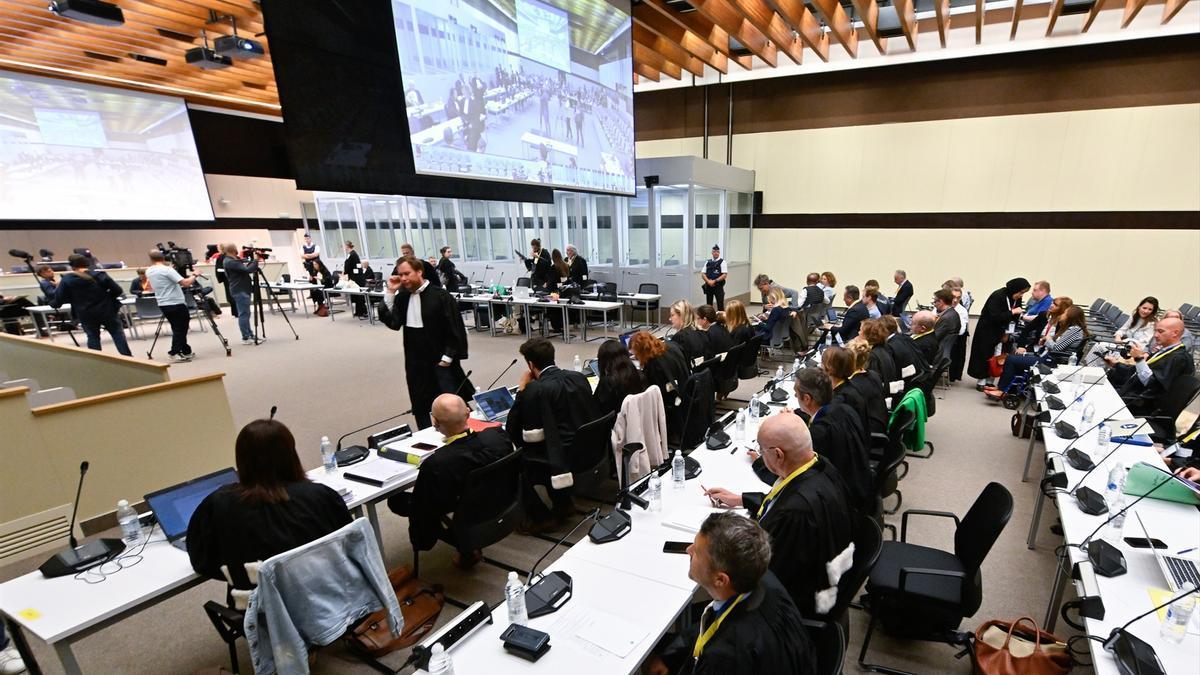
x,y
1073,361
678,470
1104,437
740,425
779,374
514,596
1089,413
753,414
131,528
654,492
1077,381
795,366
440,662
1174,628
578,364
328,457
1114,497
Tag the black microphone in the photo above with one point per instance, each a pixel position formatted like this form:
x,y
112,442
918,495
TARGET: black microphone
x,y
1068,406
1110,643
550,592
466,379
1166,479
79,558
357,453
1116,446
1080,460
489,387
273,409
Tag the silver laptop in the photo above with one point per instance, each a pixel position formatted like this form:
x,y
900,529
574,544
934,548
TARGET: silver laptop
x,y
1178,571
495,404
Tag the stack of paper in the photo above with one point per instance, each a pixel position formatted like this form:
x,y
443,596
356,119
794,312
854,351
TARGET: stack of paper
x,y
379,472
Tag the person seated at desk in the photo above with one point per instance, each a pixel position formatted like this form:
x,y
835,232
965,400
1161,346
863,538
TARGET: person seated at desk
x,y
1138,329
95,301
910,362
690,340
807,513
47,282
551,405
838,434
855,386
618,377
1036,315
272,508
856,313
737,323
443,475
1153,376
718,338
778,313
667,368
765,284
880,360
871,295
11,311
1188,340
577,266
1069,335
923,323
140,284
948,324
904,293
751,625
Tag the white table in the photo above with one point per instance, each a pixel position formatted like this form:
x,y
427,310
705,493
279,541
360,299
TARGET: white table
x,y
42,324
349,294
1124,596
296,287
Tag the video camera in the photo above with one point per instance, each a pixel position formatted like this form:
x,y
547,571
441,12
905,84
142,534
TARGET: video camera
x,y
178,257
256,253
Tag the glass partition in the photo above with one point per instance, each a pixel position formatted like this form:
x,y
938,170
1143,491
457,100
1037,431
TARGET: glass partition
x,y
706,223
605,232
740,206
672,237
637,232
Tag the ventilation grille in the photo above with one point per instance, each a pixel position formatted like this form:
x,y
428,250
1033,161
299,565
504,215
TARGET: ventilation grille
x,y
26,536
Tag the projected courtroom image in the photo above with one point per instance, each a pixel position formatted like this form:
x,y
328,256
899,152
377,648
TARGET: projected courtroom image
x,y
529,91
79,152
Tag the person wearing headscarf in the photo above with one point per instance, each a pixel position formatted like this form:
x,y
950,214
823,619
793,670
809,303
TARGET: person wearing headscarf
x,y
996,321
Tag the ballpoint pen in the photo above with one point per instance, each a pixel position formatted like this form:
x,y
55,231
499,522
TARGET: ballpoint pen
x,y
1188,550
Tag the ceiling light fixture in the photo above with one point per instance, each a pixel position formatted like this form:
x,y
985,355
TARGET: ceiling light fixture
x,y
88,11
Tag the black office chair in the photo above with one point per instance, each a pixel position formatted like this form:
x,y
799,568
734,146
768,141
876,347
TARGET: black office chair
x,y
868,542
699,410
648,305
829,642
725,377
1172,402
590,455
921,593
747,363
487,512
522,282
887,468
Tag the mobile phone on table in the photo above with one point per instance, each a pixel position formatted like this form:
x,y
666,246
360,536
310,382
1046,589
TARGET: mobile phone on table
x,y
676,547
424,446
1142,542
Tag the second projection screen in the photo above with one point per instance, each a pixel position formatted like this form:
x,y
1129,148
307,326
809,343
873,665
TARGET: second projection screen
x,y
529,91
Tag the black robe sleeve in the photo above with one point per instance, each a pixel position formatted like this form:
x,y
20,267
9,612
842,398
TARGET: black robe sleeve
x,y
456,334
204,542
394,318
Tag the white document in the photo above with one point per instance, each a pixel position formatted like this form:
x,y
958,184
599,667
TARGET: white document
x,y
612,634
689,518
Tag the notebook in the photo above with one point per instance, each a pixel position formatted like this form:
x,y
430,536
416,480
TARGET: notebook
x,y
379,473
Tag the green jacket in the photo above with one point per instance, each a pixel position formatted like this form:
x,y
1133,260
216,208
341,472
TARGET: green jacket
x,y
914,400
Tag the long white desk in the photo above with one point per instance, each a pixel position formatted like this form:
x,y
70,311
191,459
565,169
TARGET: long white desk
x,y
602,306
1128,595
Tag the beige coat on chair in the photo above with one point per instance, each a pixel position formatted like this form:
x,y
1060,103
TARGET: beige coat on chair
x,y
642,419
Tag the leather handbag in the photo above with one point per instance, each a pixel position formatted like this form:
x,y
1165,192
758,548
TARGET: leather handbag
x,y
1019,648
419,604
322,310
996,365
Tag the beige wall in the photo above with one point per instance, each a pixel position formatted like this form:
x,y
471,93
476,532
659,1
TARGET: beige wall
x,y
1122,159
250,197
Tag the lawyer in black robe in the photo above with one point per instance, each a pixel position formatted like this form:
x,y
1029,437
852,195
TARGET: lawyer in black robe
x,y
993,323
434,349
838,435
868,391
692,342
1166,366
910,362
927,343
353,270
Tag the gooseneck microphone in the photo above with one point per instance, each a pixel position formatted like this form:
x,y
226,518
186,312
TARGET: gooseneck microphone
x,y
466,379
357,453
1106,559
78,558
489,387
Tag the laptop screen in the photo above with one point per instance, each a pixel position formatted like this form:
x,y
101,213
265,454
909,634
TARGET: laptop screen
x,y
175,505
626,337
494,403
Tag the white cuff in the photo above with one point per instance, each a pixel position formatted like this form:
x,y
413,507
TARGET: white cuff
x,y
389,298
446,359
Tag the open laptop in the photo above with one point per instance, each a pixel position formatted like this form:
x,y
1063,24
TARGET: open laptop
x,y
494,404
1177,570
175,505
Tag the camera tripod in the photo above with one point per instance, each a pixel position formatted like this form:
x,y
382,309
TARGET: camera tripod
x,y
202,305
256,307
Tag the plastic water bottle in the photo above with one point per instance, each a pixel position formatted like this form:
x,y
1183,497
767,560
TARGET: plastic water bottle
x,y
779,374
1077,404
1114,496
1073,361
440,662
1104,437
131,528
740,425
678,470
753,408
328,457
1174,628
1089,413
1077,381
578,364
654,492
795,366
514,596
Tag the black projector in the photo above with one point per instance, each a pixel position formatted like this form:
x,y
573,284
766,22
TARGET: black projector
x,y
233,46
202,57
91,11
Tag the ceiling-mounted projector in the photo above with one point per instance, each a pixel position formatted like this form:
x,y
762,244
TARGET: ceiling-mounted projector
x,y
234,46
203,57
91,11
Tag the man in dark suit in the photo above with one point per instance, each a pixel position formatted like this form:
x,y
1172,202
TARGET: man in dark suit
x,y
577,266
856,313
429,271
838,434
435,339
538,265
353,270
1154,374
923,335
948,325
751,625
807,513
552,404
443,476
904,293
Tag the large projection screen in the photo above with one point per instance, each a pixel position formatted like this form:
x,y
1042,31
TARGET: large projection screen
x,y
526,91
80,152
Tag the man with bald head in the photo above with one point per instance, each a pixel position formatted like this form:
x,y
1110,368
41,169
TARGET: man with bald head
x,y
806,512
1155,373
444,473
922,334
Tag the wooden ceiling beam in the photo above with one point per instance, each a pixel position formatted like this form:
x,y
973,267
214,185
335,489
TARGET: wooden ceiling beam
x,y
169,14
721,13
669,50
941,10
1092,14
801,20
840,27
1055,11
643,54
643,70
907,14
649,18
980,13
713,35
1132,7
763,17
1016,18
1171,8
868,12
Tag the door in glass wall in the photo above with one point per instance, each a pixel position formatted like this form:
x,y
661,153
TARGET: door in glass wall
x,y
378,224
706,223
497,227
420,227
339,224
637,232
606,216
672,236
741,208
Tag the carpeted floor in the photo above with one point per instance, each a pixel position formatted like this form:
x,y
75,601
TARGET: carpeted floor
x,y
343,375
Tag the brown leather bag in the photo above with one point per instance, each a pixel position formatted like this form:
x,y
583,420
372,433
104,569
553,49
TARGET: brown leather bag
x,y
1001,648
322,310
420,606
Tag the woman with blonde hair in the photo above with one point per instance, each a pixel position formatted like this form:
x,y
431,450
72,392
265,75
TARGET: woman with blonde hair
x,y
691,341
737,322
879,360
780,312
866,386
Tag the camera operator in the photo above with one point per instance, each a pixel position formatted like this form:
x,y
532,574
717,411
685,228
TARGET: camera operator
x,y
219,273
95,300
241,285
168,286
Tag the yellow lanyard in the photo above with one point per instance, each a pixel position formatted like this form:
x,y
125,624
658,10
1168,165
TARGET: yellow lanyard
x,y
783,483
918,335
712,629
455,437
1163,353
1189,437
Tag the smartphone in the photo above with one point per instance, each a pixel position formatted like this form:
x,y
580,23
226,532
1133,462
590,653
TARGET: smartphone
x,y
424,446
1142,542
676,546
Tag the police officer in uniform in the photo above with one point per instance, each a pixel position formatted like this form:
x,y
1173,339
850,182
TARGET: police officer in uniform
x,y
715,272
